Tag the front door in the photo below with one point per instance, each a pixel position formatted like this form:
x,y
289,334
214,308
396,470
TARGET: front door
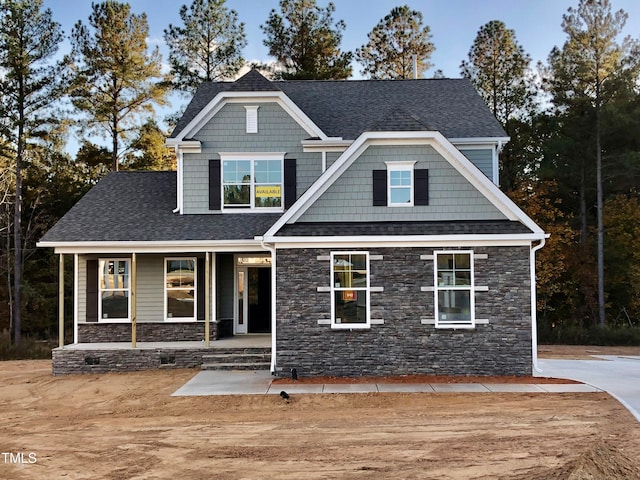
x,y
253,299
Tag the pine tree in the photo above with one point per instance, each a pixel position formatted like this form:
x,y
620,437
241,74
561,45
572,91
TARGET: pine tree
x,y
587,63
207,47
30,83
115,78
305,40
394,43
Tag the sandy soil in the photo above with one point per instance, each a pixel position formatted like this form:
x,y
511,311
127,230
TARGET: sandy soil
x,y
584,352
127,426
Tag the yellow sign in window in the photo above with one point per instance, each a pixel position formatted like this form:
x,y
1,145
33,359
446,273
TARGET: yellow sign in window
x,y
268,191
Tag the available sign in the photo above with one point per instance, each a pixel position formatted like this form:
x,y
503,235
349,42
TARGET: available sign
x,y
268,191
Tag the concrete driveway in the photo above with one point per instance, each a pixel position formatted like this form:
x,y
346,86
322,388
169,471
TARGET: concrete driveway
x,y
617,375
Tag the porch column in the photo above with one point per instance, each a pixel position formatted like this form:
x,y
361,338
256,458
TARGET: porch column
x,y
61,302
133,299
207,297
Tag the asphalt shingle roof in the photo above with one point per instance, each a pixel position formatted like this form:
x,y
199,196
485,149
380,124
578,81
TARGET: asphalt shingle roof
x,y
346,108
137,206
459,227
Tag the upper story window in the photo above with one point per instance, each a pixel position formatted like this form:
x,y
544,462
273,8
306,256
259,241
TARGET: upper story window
x,y
454,289
400,184
114,289
252,183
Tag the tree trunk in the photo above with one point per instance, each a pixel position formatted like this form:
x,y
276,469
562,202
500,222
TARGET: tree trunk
x,y
17,228
599,210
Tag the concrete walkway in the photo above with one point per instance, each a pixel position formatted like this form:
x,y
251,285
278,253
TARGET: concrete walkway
x,y
617,375
236,382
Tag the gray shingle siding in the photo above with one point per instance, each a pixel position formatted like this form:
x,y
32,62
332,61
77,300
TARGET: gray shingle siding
x,y
481,158
226,132
452,197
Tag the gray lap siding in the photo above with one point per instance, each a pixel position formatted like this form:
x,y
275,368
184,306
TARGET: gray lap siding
x,y
403,345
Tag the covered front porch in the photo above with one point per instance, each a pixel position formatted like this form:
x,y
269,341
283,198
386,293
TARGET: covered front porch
x,y
142,310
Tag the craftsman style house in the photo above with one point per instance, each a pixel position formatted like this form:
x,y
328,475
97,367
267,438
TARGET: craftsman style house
x,y
357,224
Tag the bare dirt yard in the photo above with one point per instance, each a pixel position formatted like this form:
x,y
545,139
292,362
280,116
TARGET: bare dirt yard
x,y
127,426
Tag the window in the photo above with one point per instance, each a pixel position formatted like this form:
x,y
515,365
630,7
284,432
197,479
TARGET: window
x,y
180,288
400,184
252,183
114,290
454,293
350,290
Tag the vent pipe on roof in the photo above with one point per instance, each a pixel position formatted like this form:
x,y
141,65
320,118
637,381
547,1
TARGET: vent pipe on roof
x,y
415,66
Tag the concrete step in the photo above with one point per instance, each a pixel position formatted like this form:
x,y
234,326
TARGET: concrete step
x,y
236,366
236,357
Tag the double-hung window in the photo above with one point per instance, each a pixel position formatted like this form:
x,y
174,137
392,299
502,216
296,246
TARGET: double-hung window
x,y
350,290
114,289
252,182
180,288
454,290
400,184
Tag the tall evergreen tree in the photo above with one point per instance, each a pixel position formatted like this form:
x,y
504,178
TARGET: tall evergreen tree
x,y
497,67
115,78
31,83
207,47
306,41
394,43
591,58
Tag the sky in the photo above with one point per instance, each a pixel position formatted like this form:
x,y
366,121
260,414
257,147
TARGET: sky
x,y
453,23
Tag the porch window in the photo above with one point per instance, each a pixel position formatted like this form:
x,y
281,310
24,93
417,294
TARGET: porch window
x,y
252,183
454,289
114,290
180,288
350,290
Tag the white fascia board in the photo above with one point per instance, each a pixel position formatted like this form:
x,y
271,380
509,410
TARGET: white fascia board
x,y
330,145
185,146
443,146
441,241
479,140
154,246
222,98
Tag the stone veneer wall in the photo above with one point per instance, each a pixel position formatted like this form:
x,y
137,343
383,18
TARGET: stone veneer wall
x,y
66,361
403,345
97,332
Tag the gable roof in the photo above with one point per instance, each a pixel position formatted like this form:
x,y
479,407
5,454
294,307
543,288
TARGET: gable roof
x,y
137,207
347,108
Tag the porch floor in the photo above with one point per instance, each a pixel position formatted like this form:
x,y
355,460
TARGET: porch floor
x,y
238,341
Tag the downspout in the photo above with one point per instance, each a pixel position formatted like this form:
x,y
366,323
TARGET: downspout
x,y
179,158
272,249
534,306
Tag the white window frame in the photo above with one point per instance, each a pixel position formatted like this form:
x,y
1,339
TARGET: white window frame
x,y
251,157
407,166
471,323
101,290
367,289
252,118
195,291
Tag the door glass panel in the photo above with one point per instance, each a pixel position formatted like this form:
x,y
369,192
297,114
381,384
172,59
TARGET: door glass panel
x,y
240,298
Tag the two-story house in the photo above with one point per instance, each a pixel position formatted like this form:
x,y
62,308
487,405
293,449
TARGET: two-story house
x,y
356,224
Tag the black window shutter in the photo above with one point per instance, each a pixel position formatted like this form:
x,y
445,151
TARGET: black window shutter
x,y
201,292
421,188
215,185
379,188
290,182
92,291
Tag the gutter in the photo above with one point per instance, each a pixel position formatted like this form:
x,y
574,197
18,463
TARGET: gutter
x,y
534,306
179,180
